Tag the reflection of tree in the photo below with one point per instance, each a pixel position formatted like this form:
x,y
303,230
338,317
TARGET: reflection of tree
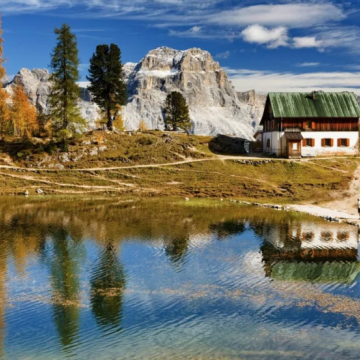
x,y
107,286
64,274
3,272
228,228
177,249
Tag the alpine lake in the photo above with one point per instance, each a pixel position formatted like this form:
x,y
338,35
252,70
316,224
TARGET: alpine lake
x,y
111,278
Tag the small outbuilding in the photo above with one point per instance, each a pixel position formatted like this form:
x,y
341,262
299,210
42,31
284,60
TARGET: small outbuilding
x,y
311,124
232,144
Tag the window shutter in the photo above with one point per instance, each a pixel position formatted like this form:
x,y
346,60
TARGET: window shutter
x,y
331,142
312,142
338,142
313,125
322,142
304,125
304,142
347,142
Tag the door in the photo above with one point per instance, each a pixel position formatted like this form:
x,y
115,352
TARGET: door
x,y
294,149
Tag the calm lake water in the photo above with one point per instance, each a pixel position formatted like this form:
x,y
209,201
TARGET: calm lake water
x,y
110,279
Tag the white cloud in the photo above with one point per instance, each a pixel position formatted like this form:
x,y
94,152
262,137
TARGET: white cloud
x,y
110,6
289,15
273,38
83,84
223,55
195,31
308,64
266,81
83,67
307,42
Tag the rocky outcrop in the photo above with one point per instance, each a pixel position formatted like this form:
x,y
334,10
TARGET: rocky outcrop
x,y
36,85
215,106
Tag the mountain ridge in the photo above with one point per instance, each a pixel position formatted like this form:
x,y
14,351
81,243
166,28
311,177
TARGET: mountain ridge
x,y
215,106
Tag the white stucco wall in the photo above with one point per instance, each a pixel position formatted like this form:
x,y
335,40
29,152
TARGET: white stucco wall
x,y
319,150
277,140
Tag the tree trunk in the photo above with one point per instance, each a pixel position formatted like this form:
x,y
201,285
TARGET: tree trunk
x,y
109,123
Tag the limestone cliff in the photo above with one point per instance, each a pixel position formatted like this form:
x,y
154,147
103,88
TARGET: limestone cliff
x,y
215,106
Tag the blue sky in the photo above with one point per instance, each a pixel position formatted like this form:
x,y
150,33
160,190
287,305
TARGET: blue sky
x,y
277,45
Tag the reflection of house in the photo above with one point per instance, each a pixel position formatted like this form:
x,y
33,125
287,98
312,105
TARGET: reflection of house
x,y
311,124
311,252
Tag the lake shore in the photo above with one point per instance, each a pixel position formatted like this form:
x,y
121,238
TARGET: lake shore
x,y
157,164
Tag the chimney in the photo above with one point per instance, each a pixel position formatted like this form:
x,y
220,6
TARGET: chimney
x,y
314,95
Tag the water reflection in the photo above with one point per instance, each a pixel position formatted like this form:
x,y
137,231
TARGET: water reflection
x,y
178,282
107,287
311,252
65,258
177,248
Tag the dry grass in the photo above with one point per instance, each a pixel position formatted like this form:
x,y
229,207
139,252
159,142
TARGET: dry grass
x,y
278,181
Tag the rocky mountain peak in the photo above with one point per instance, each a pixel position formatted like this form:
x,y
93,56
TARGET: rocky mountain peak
x,y
215,107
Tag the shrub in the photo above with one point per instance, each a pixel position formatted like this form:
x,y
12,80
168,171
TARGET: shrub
x,y
145,141
142,126
24,154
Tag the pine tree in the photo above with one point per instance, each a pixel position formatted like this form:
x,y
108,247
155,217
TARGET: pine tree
x,y
106,83
176,113
4,110
23,114
65,92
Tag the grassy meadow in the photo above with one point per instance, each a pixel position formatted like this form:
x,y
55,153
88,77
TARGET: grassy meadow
x,y
163,164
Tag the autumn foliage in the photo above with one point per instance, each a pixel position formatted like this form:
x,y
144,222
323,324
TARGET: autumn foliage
x,y
23,114
4,111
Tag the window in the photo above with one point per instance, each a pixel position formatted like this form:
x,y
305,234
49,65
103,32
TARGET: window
x,y
343,236
327,236
308,125
295,146
327,142
268,143
308,236
309,142
343,142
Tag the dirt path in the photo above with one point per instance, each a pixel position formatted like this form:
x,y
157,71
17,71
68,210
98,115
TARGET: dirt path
x,y
187,161
344,208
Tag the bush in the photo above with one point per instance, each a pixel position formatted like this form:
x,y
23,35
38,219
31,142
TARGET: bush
x,y
145,141
51,148
24,154
63,135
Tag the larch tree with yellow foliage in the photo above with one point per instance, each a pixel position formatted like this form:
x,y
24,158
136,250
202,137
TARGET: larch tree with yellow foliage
x,y
4,110
23,114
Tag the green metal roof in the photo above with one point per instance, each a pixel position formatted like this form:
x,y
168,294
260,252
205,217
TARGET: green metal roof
x,y
326,105
328,272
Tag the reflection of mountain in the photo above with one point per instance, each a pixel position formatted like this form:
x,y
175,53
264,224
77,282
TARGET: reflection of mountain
x,y
311,252
107,286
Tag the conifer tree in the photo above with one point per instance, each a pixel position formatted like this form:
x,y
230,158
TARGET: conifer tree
x,y
176,113
65,92
106,83
4,111
23,114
